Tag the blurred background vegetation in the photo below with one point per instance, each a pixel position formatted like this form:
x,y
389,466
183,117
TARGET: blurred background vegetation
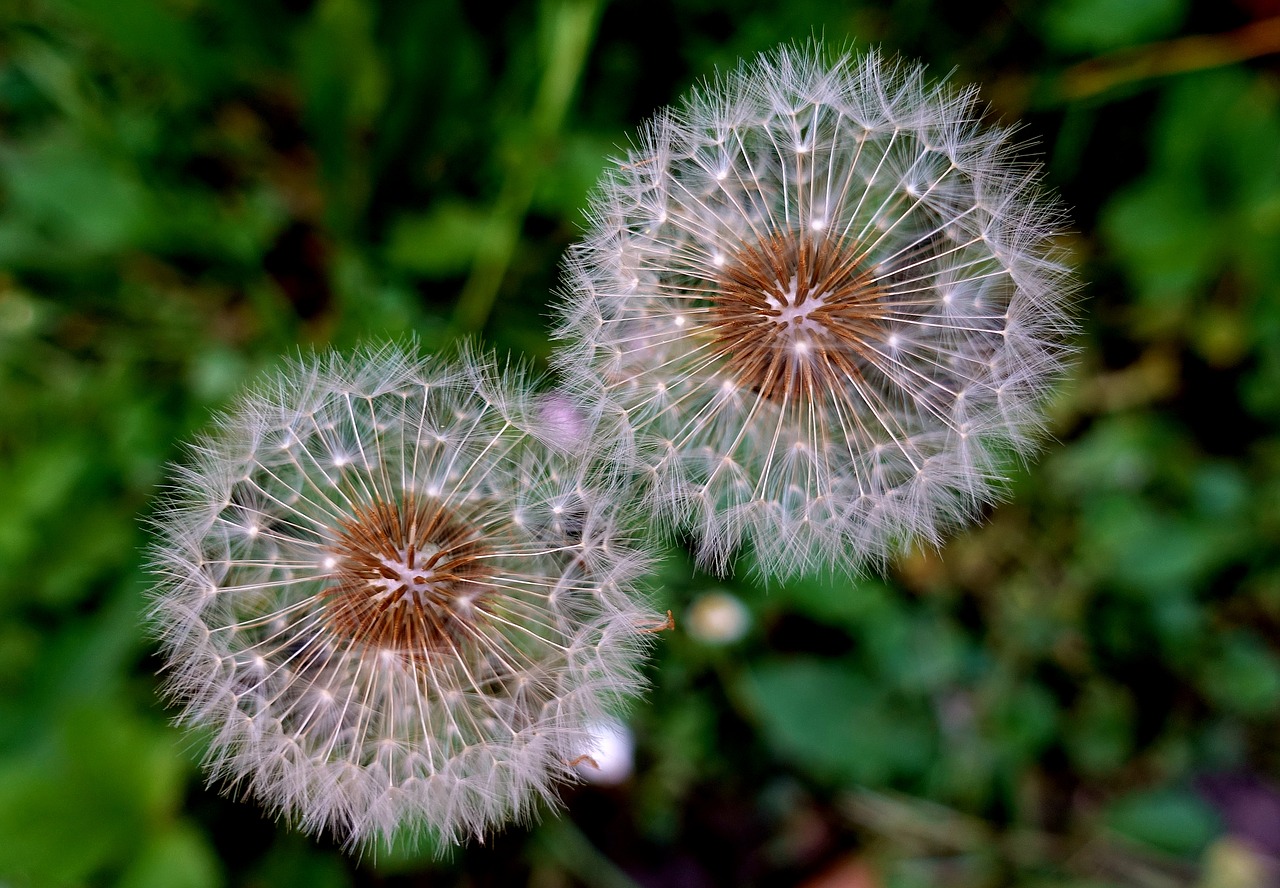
x,y
1083,691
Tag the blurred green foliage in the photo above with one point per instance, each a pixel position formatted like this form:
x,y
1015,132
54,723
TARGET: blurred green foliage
x,y
190,189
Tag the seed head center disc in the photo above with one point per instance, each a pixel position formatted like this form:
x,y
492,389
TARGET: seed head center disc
x,y
796,316
408,577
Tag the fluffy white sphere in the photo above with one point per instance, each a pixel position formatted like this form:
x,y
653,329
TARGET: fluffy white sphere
x,y
827,302
391,605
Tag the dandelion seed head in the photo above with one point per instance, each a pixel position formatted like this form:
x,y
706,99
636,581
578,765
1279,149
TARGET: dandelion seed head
x,y
869,266
409,619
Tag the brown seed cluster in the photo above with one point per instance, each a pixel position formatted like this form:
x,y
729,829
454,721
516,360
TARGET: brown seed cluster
x,y
408,577
796,317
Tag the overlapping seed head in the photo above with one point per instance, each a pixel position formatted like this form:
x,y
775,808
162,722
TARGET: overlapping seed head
x,y
390,604
827,301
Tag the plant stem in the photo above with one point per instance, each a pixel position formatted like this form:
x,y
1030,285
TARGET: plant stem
x,y
1195,53
569,27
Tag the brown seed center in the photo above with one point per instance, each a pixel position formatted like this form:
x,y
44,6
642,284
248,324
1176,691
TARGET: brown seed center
x,y
796,316
409,577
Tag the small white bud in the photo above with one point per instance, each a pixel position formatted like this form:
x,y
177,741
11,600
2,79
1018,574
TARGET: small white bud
x,y
718,618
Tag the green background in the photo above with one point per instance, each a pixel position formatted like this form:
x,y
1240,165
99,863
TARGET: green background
x,y
1084,690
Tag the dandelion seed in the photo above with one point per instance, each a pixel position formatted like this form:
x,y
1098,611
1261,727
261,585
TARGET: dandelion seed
x,y
412,617
880,310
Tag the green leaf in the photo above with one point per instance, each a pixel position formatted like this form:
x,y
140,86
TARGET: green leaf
x,y
81,798
67,203
440,243
1025,720
1098,734
179,857
1100,25
1170,240
1172,820
826,719
1244,676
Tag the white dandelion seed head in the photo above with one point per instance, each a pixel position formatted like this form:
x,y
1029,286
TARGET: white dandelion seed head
x,y
408,619
873,309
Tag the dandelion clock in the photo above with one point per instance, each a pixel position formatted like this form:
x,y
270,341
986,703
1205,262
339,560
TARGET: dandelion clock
x,y
826,301
390,604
